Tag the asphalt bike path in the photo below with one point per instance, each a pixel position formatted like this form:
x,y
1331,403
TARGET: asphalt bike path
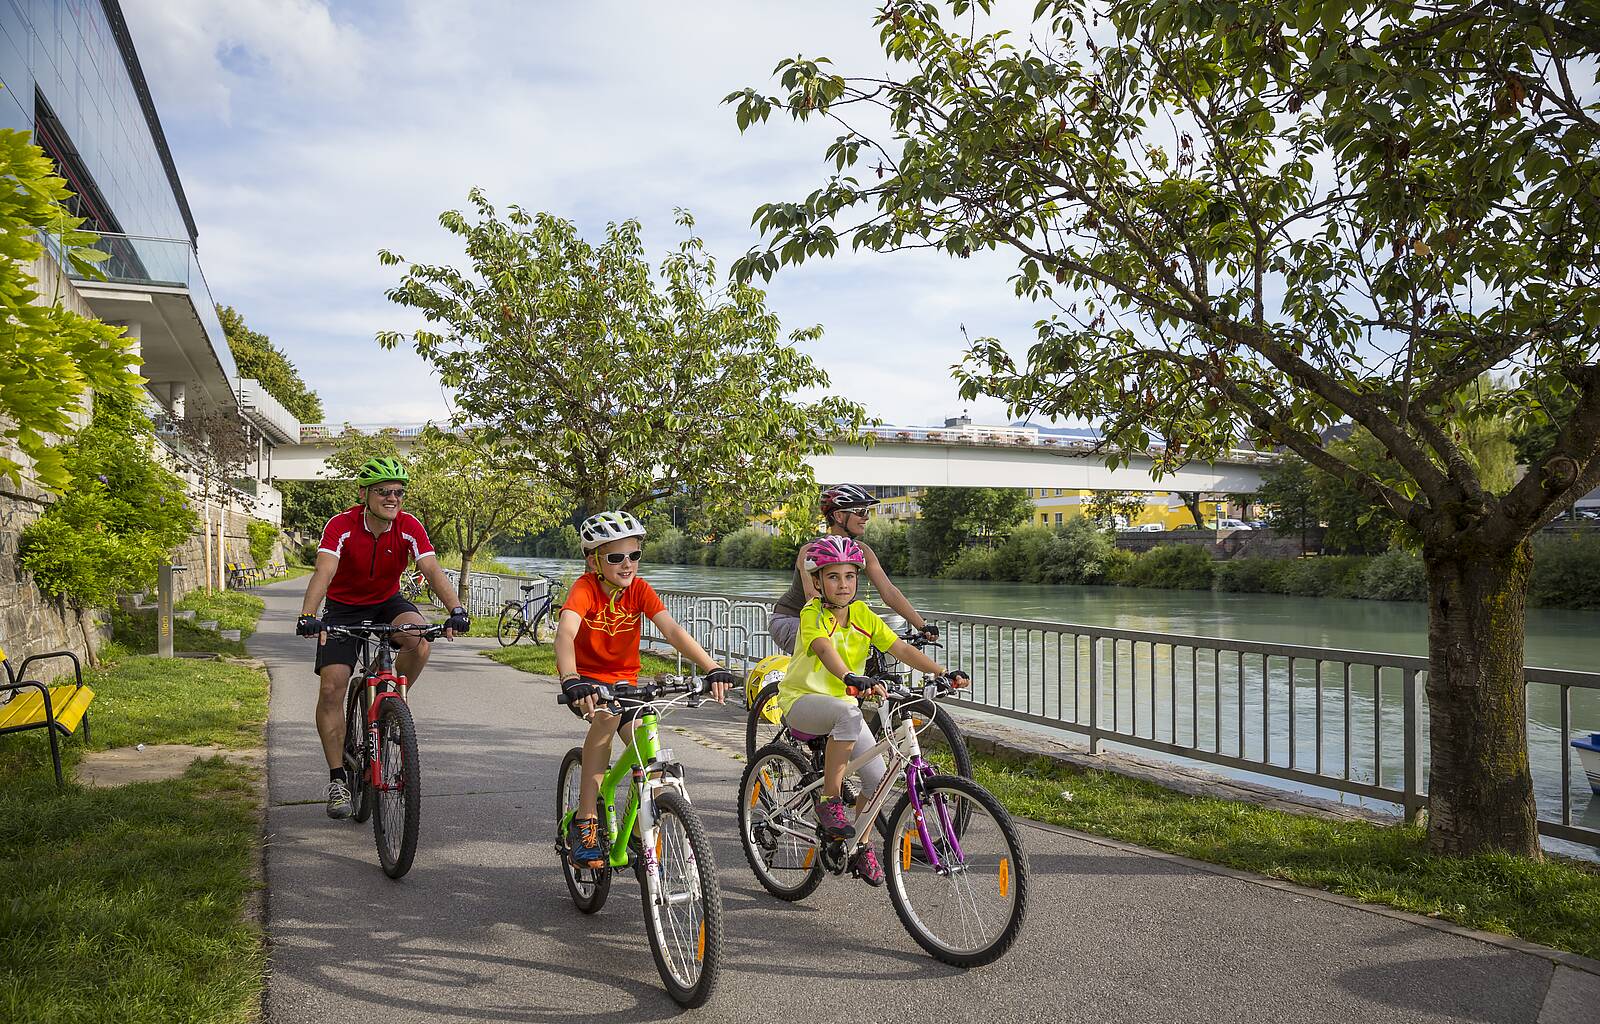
x,y
482,928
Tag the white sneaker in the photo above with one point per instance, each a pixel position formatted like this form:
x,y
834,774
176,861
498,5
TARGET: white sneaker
x,y
339,805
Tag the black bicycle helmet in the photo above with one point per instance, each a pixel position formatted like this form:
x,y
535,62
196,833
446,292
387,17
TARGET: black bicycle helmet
x,y
846,498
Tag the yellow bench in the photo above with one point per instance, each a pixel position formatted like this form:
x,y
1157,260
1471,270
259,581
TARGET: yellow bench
x,y
26,704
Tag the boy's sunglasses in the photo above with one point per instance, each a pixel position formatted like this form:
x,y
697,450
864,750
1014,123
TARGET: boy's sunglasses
x,y
618,557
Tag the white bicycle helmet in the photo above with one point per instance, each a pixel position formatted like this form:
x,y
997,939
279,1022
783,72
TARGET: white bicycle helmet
x,y
605,527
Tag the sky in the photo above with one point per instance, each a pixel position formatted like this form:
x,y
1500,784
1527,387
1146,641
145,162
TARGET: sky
x,y
308,135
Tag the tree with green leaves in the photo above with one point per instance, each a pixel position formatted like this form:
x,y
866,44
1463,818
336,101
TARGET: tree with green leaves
x,y
1269,217
954,518
1289,490
258,358
465,487
51,359
1106,508
619,388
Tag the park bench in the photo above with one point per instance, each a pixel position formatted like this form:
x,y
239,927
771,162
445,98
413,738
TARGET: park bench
x,y
27,704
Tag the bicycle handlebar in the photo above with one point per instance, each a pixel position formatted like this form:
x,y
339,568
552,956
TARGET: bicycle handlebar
x,y
640,693
372,630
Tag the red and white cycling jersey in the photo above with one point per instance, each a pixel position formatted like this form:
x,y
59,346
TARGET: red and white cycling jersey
x,y
370,565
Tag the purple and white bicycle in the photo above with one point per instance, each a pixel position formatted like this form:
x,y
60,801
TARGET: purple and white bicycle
x,y
956,871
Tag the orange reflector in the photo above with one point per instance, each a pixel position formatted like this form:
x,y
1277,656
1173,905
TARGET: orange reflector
x,y
763,782
1005,876
905,851
658,846
811,851
700,948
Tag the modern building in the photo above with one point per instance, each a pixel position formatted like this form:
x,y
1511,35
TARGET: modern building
x,y
71,77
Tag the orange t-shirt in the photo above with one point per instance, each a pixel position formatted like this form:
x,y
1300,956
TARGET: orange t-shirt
x,y
607,645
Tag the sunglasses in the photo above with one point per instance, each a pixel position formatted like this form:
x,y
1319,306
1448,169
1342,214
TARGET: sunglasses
x,y
618,557
391,492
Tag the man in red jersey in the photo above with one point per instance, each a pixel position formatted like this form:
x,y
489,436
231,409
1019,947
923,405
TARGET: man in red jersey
x,y
363,552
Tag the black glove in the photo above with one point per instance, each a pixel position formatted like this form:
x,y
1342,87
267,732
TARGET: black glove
x,y
458,620
575,688
966,680
859,682
930,631
308,625
723,676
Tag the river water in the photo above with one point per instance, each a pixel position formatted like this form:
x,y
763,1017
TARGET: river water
x,y
1555,639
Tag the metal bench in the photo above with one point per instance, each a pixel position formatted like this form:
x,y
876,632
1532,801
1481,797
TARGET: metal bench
x,y
27,704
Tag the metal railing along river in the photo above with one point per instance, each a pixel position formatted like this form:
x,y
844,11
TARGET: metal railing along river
x,y
1349,721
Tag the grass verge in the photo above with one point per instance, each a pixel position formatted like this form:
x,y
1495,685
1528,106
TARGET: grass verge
x,y
230,609
135,633
127,903
542,660
1555,903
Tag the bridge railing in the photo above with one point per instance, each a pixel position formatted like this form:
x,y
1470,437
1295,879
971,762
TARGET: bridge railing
x,y
1351,722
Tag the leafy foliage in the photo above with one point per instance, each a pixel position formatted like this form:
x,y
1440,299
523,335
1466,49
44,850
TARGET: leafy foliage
x,y
1106,508
257,357
263,535
955,517
51,358
118,517
618,390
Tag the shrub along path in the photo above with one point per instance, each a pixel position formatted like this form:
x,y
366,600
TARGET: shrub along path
x,y
482,928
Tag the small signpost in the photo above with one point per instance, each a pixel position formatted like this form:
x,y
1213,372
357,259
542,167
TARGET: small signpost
x,y
164,609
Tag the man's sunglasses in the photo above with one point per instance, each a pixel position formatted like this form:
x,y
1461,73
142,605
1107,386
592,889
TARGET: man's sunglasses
x,y
618,557
390,492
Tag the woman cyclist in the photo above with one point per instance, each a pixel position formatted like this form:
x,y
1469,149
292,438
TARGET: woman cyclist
x,y
844,511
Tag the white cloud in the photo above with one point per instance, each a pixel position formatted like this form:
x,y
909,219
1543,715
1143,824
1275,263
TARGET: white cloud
x,y
310,136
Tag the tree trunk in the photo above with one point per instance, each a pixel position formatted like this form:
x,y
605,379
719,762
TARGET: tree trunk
x,y
466,567
91,653
1480,788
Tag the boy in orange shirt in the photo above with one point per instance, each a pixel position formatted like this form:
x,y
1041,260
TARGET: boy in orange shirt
x,y
597,641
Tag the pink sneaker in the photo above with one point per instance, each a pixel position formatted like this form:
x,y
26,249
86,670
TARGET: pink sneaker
x,y
865,866
832,821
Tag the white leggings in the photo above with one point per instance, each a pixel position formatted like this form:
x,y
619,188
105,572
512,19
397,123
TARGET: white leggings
x,y
838,718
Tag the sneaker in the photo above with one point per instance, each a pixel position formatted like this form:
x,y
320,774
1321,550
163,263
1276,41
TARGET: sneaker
x,y
832,821
339,806
865,866
583,839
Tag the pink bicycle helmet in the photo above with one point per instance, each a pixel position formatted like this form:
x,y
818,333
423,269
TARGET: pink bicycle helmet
x,y
833,550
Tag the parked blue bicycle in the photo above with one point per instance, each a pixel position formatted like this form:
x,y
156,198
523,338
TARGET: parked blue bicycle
x,y
532,616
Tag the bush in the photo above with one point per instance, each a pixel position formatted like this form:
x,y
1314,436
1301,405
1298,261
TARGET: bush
x,y
672,547
1326,576
1566,572
972,564
306,554
1022,556
1079,552
1118,564
890,541
1249,575
263,535
1173,567
1395,576
749,548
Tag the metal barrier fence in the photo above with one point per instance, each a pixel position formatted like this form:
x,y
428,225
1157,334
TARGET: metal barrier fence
x,y
1348,721
488,592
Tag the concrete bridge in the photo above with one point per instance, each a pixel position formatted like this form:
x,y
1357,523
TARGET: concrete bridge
x,y
962,456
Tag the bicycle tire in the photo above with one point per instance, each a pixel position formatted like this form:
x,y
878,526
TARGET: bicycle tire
x,y
589,887
1009,868
511,624
759,843
760,730
690,977
397,739
544,627
355,751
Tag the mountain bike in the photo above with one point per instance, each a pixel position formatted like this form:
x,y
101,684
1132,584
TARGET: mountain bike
x,y
764,723
534,616
956,871
380,743
414,586
659,835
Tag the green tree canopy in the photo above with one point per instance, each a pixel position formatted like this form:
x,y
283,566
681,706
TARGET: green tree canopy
x,y
1263,218
258,358
1104,508
619,390
952,518
51,358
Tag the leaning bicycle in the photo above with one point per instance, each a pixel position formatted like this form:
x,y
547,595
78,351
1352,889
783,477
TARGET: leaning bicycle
x,y
956,871
531,616
380,743
659,835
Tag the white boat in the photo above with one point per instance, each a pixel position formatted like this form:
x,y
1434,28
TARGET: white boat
x,y
1589,757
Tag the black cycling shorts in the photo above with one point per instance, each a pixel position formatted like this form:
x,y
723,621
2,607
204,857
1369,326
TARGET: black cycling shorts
x,y
343,650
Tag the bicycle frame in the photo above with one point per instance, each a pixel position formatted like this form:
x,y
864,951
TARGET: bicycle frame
x,y
903,754
641,756
378,690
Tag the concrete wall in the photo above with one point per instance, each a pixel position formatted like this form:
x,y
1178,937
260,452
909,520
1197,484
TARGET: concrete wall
x,y
1225,543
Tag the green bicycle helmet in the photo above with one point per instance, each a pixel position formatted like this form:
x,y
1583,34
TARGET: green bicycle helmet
x,y
377,470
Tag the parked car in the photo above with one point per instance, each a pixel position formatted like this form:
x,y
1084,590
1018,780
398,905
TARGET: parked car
x,y
1151,528
1233,524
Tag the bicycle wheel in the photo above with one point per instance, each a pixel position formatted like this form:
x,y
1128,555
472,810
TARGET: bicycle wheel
x,y
589,886
355,751
943,745
778,830
511,626
544,627
764,723
683,907
968,910
399,799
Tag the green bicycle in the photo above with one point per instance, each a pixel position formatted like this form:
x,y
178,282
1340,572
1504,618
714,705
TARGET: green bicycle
x,y
660,836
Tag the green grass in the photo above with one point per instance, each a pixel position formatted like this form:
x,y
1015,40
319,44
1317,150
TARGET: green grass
x,y
292,572
542,660
145,699
230,609
135,633
1556,902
